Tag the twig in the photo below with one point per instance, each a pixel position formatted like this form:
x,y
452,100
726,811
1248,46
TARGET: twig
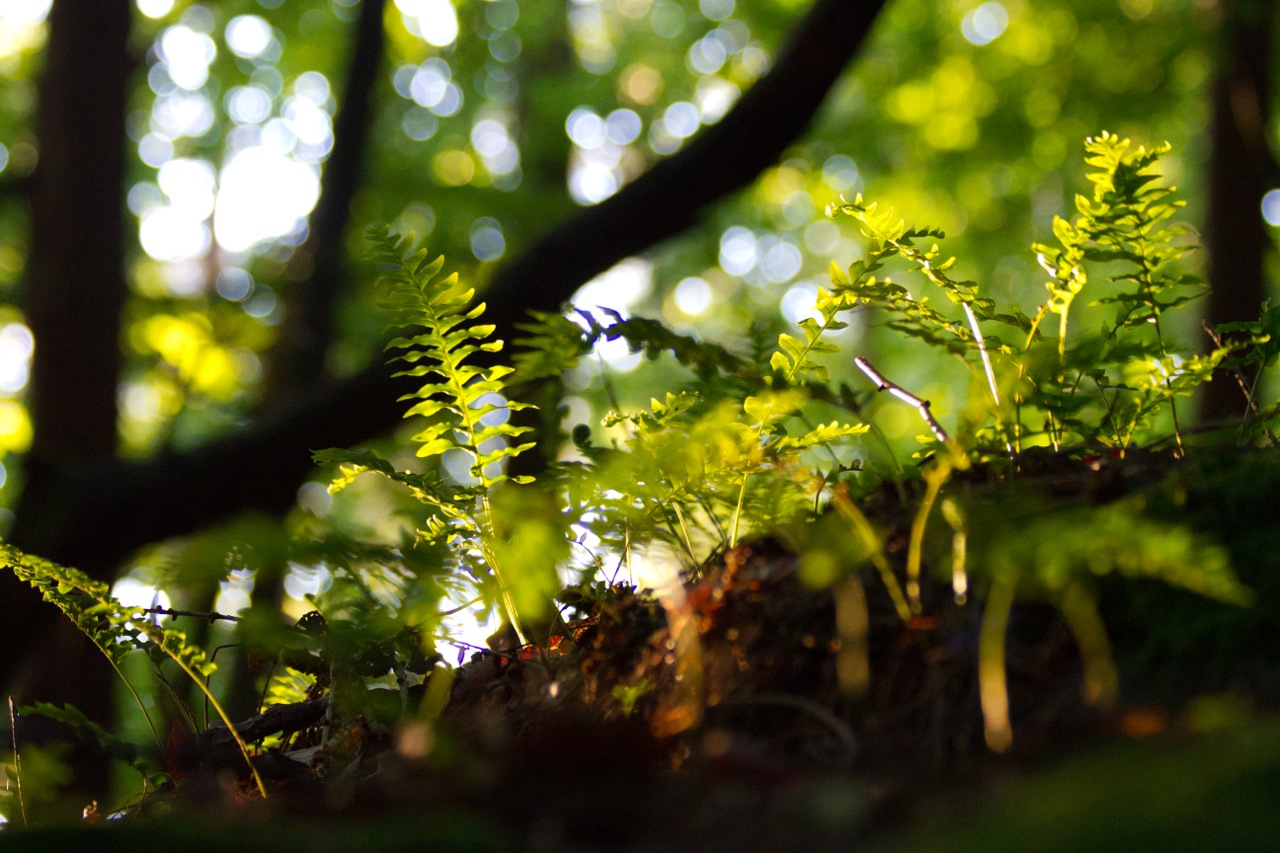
x,y
195,614
17,763
1244,386
921,406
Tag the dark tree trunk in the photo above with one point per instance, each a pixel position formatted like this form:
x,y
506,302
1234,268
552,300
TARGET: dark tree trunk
x,y
74,293
1241,169
76,288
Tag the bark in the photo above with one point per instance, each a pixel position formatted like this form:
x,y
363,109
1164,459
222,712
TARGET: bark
x,y
1241,169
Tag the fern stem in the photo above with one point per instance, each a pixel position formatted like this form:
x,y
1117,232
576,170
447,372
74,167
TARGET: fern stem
x,y
875,549
488,537
17,764
1101,683
156,634
993,690
737,512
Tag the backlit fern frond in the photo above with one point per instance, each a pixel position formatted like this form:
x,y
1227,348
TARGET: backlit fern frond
x,y
459,399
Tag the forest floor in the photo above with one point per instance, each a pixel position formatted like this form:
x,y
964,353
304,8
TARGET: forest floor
x,y
745,714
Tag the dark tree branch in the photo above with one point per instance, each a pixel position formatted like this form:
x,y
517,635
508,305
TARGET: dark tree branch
x,y
318,265
94,515
1242,168
672,195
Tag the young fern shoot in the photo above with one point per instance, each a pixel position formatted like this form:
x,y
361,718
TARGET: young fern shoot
x,y
459,400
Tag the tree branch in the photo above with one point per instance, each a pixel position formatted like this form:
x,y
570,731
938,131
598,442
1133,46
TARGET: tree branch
x,y
93,515
318,265
671,196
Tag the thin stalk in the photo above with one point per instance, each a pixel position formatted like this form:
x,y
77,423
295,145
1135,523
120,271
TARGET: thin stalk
x,y
1246,388
993,689
156,634
875,549
1101,682
17,763
982,351
737,511
934,479
684,532
1168,382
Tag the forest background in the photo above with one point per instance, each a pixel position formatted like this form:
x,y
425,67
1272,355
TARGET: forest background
x,y
185,308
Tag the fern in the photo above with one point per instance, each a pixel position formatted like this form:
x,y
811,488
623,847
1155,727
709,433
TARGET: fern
x,y
462,403
117,630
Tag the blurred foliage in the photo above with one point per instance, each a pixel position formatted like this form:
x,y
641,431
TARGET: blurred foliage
x,y
493,119
964,114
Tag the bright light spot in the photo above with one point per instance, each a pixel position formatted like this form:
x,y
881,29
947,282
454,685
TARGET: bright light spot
x,y
187,54
155,8
799,302
431,86
985,24
306,580
623,127
682,119
309,124
714,98
585,128
781,262
453,168
248,35
491,141
155,150
232,598
839,172
706,56
619,288
24,13
190,185
263,195
1271,207
248,104
315,498
16,346
262,305
429,81
591,181
435,20
487,242
132,592
693,296
313,86
143,197
641,83
662,140
182,114
169,234
716,10
617,354
15,427
233,284
738,251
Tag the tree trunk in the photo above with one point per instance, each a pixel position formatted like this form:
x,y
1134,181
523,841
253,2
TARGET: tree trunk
x,y
1241,169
